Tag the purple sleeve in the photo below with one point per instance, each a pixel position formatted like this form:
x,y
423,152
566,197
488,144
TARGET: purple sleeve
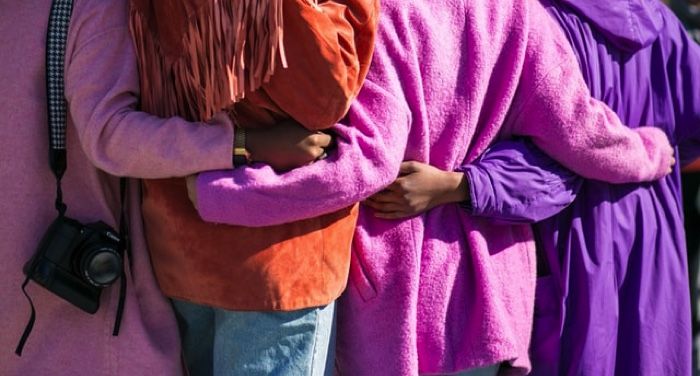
x,y
369,152
684,76
102,92
515,182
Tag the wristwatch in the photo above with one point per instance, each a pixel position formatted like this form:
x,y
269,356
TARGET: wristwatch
x,y
241,155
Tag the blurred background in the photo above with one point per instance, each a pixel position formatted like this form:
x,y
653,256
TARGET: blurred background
x,y
688,11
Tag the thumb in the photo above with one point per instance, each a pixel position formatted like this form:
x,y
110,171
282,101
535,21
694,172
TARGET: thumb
x,y
192,189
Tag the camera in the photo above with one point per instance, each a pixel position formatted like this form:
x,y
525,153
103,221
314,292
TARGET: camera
x,y
75,261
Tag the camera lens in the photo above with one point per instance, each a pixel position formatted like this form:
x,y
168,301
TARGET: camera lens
x,y
101,266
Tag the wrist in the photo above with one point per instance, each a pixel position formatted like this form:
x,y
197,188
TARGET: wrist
x,y
241,155
456,187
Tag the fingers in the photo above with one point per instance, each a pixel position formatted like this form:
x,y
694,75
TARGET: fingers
x,y
192,189
673,163
384,207
386,201
386,196
320,139
398,187
316,144
388,204
311,153
317,153
408,167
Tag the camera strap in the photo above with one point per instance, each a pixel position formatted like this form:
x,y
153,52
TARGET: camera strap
x,y
59,20
56,37
57,107
125,248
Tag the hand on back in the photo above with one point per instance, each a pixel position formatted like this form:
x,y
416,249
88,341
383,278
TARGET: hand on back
x,y
419,188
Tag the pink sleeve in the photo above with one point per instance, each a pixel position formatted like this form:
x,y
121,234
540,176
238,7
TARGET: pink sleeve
x,y
556,110
102,92
370,150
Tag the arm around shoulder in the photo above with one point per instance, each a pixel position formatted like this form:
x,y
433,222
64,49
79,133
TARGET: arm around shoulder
x,y
102,92
557,111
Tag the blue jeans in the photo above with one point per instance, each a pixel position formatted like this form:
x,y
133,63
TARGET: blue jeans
x,y
221,343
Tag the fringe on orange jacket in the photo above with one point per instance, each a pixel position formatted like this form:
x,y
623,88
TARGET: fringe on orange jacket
x,y
265,61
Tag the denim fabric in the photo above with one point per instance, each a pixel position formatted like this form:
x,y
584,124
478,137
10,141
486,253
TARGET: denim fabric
x,y
225,343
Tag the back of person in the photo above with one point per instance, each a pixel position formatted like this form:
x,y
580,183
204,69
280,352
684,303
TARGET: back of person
x,y
444,292
65,340
616,301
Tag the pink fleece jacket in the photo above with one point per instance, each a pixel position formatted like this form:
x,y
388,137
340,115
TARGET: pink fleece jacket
x,y
443,291
105,134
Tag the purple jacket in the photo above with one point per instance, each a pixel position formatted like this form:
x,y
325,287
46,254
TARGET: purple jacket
x,y
613,294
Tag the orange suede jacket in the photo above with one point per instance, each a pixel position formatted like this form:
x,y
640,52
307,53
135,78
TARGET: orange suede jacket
x,y
328,48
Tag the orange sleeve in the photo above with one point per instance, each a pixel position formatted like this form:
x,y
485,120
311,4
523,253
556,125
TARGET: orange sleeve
x,y
328,49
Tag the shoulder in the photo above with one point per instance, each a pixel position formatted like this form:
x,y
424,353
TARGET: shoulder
x,y
673,31
95,16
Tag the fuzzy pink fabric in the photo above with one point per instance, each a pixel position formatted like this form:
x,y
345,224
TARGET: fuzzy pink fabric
x,y
443,292
105,134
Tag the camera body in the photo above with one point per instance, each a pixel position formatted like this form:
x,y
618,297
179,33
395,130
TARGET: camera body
x,y
75,261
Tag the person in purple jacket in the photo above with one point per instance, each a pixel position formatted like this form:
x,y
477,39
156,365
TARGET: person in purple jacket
x,y
612,297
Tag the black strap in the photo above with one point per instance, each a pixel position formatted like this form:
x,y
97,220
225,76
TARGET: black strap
x,y
30,324
60,205
126,251
120,306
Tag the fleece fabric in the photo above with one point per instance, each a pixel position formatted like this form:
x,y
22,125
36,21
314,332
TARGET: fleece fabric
x,y
444,291
105,136
612,296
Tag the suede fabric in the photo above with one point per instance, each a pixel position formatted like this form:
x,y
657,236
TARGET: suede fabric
x,y
286,266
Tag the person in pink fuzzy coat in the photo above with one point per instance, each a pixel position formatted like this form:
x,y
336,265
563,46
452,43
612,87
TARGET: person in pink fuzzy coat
x,y
444,292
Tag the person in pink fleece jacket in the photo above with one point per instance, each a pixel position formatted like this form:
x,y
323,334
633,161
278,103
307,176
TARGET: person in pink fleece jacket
x,y
443,292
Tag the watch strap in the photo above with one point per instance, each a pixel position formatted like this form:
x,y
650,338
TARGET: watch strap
x,y
241,155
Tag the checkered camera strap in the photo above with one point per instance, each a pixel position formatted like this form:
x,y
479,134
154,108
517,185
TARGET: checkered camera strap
x,y
56,37
59,21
